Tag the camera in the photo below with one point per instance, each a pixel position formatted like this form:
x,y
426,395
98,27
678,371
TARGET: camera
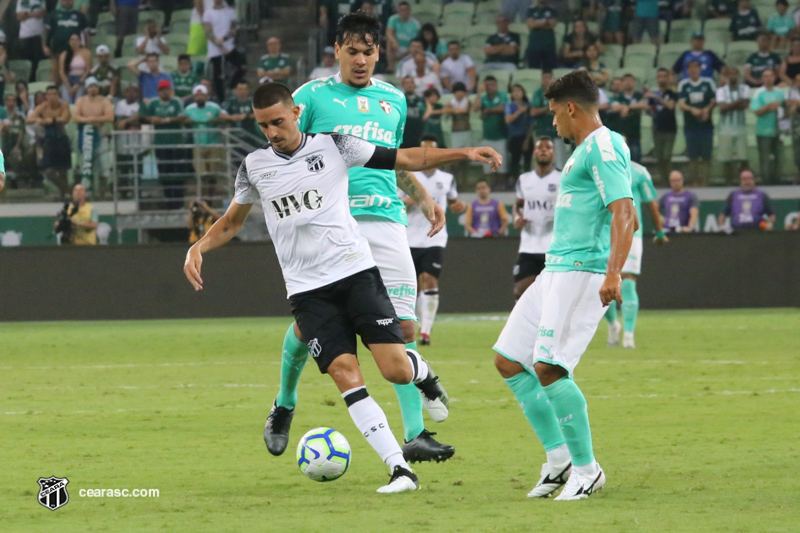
x,y
64,221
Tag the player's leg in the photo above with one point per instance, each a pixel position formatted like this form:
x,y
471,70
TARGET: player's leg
x,y
526,269
429,291
614,326
571,311
514,362
293,360
630,298
389,244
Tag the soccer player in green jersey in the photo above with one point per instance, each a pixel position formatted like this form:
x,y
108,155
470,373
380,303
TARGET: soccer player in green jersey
x,y
354,103
556,318
644,193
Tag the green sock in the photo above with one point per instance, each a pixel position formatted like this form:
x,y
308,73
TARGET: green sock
x,y
295,355
410,406
532,399
611,314
570,408
630,304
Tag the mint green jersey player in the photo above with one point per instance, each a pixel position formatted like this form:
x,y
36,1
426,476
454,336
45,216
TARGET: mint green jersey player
x,y
376,113
643,190
597,174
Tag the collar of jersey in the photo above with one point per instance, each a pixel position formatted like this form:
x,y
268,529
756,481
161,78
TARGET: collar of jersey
x,y
289,156
338,79
595,132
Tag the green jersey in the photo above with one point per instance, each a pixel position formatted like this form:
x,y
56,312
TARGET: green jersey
x,y
631,125
698,94
269,62
403,31
643,190
201,118
543,124
169,109
767,124
761,61
107,75
597,174
61,25
494,124
376,113
234,106
184,83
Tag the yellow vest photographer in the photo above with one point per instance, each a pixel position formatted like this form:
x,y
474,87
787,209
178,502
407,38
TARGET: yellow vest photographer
x,y
84,221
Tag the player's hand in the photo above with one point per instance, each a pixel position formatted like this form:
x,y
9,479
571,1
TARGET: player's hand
x,y
611,289
662,241
519,222
486,155
435,214
458,207
192,267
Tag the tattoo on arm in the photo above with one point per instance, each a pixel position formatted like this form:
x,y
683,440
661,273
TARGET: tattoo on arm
x,y
406,184
425,156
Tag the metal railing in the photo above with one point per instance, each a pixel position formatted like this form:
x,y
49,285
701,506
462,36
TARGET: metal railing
x,y
153,183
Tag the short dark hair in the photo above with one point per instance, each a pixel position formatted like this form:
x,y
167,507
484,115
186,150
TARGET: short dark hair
x,y
577,86
419,40
662,69
184,57
269,94
489,78
403,3
763,33
482,180
694,62
429,137
52,88
543,138
782,3
453,42
431,90
459,86
359,26
151,54
628,75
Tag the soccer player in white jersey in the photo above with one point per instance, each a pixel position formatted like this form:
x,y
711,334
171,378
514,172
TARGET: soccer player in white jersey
x,y
355,103
426,251
533,214
555,319
331,278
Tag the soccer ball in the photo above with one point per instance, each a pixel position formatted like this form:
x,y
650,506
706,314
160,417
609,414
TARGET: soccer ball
x,y
323,454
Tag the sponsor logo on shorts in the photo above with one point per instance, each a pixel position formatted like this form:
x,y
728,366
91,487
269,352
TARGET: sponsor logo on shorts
x,y
564,420
314,348
544,332
384,321
402,290
436,265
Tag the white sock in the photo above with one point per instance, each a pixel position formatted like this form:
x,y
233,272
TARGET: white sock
x,y
429,304
418,366
371,422
590,470
558,456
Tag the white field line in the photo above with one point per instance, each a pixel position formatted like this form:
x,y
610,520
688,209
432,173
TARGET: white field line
x,y
470,400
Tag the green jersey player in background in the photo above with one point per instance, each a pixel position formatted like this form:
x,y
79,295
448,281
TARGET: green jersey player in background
x,y
555,319
352,102
644,193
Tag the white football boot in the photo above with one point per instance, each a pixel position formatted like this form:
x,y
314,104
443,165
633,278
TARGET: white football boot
x,y
580,487
551,480
402,480
614,329
627,340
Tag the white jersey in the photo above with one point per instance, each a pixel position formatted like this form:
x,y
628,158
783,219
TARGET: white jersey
x,y
306,206
539,196
442,187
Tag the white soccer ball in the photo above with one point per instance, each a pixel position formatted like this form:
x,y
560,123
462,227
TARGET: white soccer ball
x,y
323,454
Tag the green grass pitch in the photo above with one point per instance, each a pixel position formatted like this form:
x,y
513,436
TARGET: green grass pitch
x,y
697,430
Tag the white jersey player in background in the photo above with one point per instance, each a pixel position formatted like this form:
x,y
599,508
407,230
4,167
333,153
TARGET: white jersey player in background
x,y
537,191
332,281
427,251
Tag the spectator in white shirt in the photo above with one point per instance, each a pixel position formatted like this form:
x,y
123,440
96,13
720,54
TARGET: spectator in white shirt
x,y
30,14
457,67
328,66
424,76
407,68
220,24
152,42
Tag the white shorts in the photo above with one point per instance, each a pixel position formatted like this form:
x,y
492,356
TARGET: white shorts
x,y
389,244
633,264
554,321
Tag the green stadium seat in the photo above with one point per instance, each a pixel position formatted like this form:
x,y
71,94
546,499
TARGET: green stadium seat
x,y
184,15
738,52
43,71
487,29
427,18
476,53
152,14
108,27
612,55
108,40
669,53
718,47
38,86
560,30
522,29
122,62
593,27
485,17
458,7
561,72
476,39
457,18
639,61
177,43
641,49
169,63
530,78
180,27
105,17
429,10
129,44
21,68
717,29
681,30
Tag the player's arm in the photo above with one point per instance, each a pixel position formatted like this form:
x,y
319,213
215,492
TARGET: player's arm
x,y
426,158
468,221
501,210
519,219
661,237
623,225
220,233
417,194
2,180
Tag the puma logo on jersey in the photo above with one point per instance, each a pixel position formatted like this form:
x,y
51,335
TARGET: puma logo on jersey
x,y
292,204
343,102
